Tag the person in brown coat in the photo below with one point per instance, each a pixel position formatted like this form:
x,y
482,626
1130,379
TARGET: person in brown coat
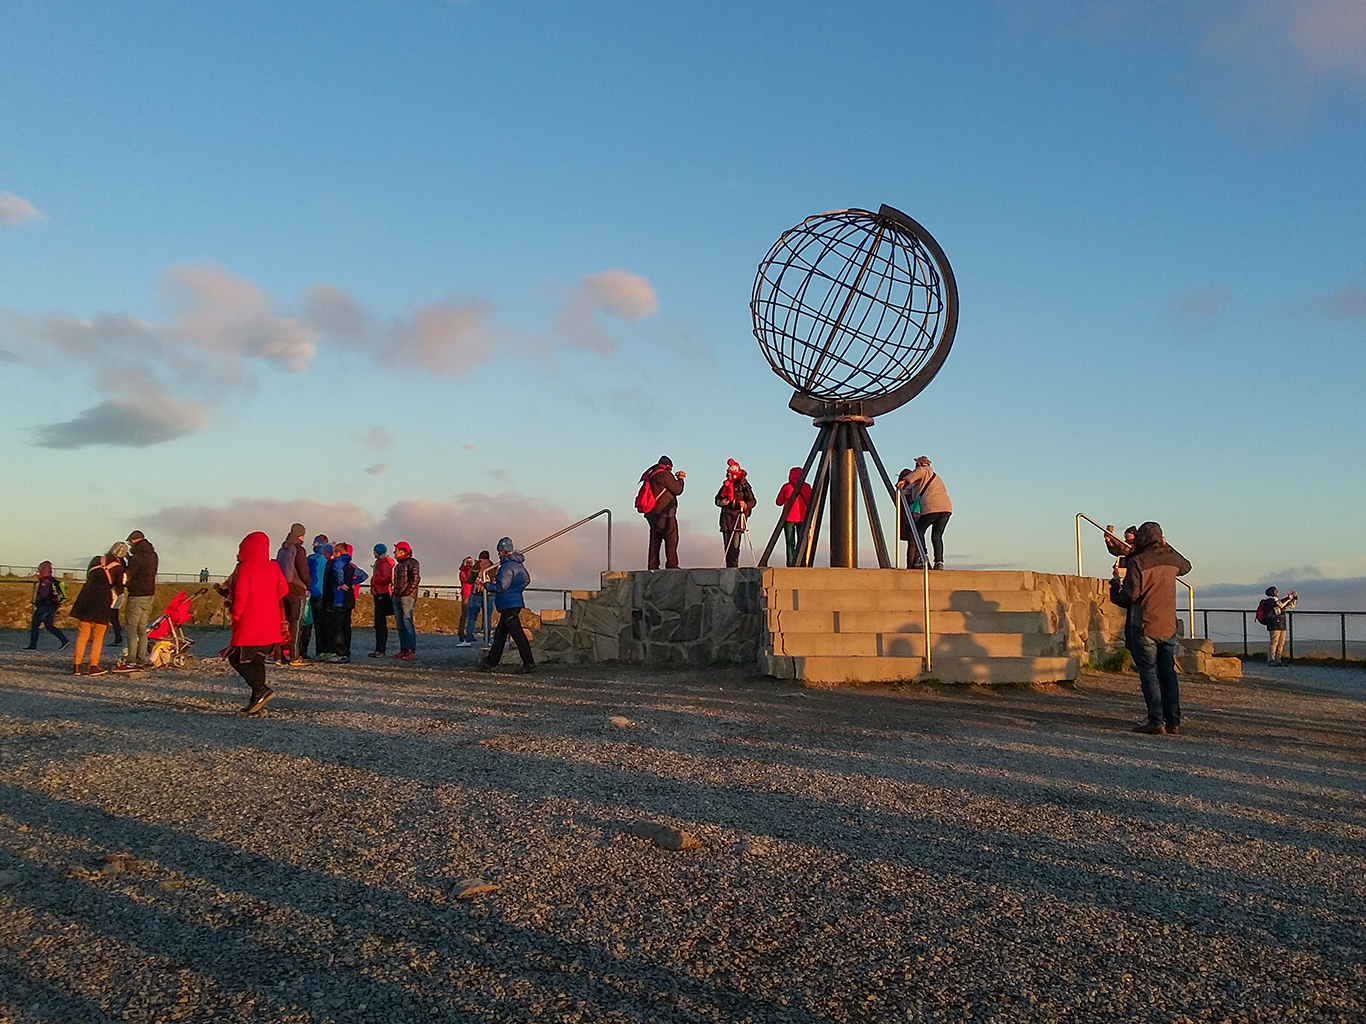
x,y
663,517
927,500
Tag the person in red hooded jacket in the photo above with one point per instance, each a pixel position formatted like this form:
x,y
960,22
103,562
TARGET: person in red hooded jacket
x,y
796,510
258,618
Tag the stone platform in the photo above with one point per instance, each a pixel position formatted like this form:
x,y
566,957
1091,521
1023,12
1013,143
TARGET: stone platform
x,y
830,626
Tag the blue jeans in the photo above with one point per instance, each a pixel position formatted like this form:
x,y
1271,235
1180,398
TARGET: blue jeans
x,y
472,609
405,608
43,616
1155,661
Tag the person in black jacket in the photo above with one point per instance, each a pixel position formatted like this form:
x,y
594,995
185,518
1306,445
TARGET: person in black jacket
x,y
48,595
735,499
1272,616
92,610
1148,590
663,518
142,588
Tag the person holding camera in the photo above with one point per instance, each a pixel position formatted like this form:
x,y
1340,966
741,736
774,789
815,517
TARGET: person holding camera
x,y
736,501
1271,614
660,488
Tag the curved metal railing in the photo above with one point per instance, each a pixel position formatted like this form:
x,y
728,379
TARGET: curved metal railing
x,y
574,526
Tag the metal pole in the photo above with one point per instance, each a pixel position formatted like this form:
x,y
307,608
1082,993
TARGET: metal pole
x,y
1206,623
1344,638
1079,572
814,507
874,520
609,540
1244,633
1290,616
843,509
487,637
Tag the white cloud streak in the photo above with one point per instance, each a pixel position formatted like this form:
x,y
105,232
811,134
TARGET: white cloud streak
x,y
15,210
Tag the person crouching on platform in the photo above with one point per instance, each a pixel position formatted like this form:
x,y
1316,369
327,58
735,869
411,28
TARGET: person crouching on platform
x,y
258,622
506,589
736,501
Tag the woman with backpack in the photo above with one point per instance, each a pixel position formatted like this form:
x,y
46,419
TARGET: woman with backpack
x,y
736,501
48,595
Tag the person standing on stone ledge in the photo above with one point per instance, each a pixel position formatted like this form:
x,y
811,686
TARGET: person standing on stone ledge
x,y
1148,590
736,501
665,487
927,502
796,511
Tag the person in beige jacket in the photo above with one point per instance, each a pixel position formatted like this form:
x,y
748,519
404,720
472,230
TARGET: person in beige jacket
x,y
922,485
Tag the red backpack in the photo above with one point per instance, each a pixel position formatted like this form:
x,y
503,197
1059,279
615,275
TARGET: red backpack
x,y
646,497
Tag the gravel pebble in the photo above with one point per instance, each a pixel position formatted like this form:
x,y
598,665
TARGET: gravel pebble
x,y
885,854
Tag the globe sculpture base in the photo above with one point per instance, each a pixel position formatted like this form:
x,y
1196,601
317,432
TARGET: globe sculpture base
x,y
841,477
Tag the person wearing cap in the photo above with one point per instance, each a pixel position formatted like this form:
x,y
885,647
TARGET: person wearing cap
x,y
1148,590
1271,614
925,506
141,589
506,588
382,591
294,565
736,501
407,577
663,518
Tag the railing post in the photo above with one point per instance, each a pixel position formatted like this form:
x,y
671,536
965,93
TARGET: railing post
x,y
1344,637
1206,623
609,540
1244,632
1290,621
1079,572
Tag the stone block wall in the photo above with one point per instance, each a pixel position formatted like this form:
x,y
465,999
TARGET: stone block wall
x,y
1080,613
670,617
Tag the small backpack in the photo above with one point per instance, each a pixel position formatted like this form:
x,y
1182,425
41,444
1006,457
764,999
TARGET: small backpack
x,y
646,498
1264,611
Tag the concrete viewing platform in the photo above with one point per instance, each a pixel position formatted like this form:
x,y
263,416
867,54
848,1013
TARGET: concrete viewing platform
x,y
828,626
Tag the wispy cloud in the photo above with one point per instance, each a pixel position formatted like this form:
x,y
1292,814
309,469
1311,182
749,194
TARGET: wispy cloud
x,y
377,469
619,293
1197,305
14,210
1347,303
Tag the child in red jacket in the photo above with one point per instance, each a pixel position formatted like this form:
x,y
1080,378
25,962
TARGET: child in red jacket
x,y
258,620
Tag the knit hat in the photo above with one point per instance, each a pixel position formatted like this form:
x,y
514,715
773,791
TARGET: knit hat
x,y
1270,591
403,545
297,530
136,535
327,549
731,464
666,462
505,545
320,539
381,549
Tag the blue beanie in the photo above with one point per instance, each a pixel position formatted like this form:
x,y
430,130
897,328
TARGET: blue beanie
x,y
327,549
505,544
380,549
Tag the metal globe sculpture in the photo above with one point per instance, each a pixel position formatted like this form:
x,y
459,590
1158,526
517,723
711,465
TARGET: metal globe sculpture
x,y
856,311
853,306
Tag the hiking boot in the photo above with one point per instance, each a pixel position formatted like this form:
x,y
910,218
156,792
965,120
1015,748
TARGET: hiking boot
x,y
1150,728
483,665
64,645
526,670
123,667
75,670
299,661
398,656
409,655
258,701
96,670
376,654
343,660
1173,728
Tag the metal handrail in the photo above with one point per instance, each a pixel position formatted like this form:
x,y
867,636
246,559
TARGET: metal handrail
x,y
924,562
574,526
1104,530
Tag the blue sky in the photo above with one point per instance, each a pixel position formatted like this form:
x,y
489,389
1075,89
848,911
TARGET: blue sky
x,y
451,270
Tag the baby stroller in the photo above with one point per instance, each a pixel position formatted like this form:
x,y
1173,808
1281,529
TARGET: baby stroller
x,y
167,642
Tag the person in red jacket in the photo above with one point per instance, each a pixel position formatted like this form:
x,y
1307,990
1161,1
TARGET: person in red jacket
x,y
796,511
382,590
258,618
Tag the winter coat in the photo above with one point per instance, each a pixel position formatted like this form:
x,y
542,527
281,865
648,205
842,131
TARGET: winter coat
x,y
407,576
667,488
317,569
934,496
735,501
797,512
467,572
294,564
329,582
142,568
383,580
511,580
258,587
96,600
1149,586
1274,617
479,572
346,577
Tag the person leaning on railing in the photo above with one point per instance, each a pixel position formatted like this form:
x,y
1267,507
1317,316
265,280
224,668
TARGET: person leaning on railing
x,y
927,502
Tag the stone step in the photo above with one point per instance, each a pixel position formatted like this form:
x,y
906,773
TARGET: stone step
x,y
831,621
903,579
842,670
912,645
893,600
948,670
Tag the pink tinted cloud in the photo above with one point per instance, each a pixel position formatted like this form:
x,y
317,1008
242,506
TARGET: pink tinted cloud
x,y
617,292
14,210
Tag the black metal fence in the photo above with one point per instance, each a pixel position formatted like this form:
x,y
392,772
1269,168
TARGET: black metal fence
x,y
1309,634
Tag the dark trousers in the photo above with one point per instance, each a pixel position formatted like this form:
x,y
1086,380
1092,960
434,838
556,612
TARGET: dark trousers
x,y
791,533
732,542
116,626
663,530
44,615
294,611
384,610
938,520
1155,661
510,624
340,618
250,663
322,625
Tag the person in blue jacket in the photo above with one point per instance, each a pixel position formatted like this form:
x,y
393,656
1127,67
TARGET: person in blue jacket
x,y
346,577
317,571
506,589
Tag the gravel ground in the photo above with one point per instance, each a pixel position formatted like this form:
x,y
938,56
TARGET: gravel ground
x,y
897,854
